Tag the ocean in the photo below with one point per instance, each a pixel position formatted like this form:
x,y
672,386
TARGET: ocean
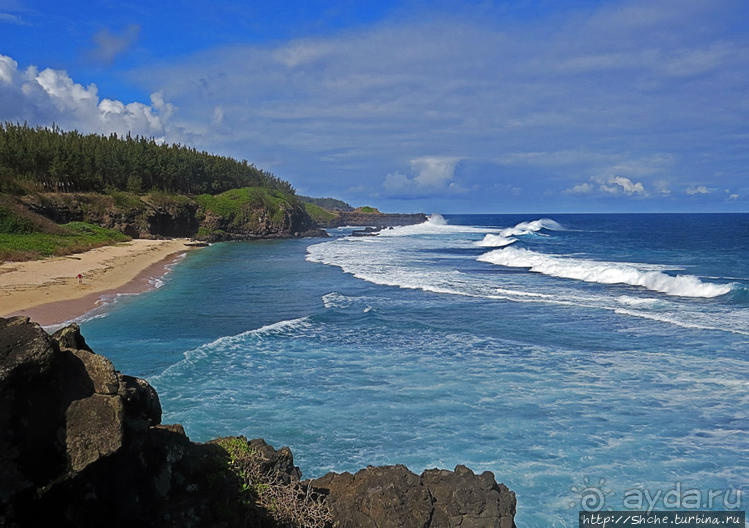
x,y
587,360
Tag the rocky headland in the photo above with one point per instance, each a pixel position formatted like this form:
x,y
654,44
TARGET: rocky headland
x,y
83,445
356,218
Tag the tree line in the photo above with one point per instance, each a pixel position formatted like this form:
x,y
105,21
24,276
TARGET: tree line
x,y
53,160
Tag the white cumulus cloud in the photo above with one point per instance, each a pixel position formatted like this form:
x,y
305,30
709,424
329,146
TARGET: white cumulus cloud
x,y
431,174
621,184
434,171
52,96
610,185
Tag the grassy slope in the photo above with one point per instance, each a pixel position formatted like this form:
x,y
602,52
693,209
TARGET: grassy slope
x,y
27,236
329,204
318,214
240,206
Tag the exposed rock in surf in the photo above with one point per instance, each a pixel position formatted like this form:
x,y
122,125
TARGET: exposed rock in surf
x,y
367,231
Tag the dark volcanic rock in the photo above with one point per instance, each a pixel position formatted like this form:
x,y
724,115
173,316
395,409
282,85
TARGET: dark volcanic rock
x,y
377,497
280,462
467,500
393,497
367,231
81,445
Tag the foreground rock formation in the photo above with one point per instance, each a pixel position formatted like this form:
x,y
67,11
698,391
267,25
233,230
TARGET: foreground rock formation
x,y
394,497
82,445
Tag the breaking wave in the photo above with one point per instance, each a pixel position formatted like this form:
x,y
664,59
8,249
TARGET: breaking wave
x,y
604,272
523,228
234,341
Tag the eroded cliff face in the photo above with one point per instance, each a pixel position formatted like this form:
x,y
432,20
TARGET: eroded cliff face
x,y
260,223
82,445
173,216
136,218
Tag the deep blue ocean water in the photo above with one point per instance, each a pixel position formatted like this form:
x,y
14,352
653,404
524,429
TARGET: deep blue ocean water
x,y
591,357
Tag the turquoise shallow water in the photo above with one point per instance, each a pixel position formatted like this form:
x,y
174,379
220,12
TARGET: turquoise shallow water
x,y
583,356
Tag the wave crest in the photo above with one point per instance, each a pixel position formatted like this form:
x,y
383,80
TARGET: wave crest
x,y
604,272
523,228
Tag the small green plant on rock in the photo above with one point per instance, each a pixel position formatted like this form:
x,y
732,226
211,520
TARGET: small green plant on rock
x,y
288,503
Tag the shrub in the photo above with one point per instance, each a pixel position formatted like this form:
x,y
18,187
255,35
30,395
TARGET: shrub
x,y
290,504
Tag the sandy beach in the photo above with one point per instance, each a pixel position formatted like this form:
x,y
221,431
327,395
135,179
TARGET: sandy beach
x,y
49,291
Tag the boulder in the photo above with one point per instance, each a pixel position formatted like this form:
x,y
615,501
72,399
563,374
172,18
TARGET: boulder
x,y
141,403
70,337
93,429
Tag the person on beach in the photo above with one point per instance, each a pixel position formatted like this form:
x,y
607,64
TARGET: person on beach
x,y
80,279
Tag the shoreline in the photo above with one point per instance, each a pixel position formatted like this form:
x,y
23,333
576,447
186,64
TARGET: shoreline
x,y
48,291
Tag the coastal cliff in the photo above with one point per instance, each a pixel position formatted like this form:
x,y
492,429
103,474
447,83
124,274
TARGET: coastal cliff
x,y
376,219
83,445
244,213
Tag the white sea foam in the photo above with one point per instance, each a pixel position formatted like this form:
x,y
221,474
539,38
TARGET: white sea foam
x,y
275,328
637,301
523,228
279,327
335,300
88,316
437,219
490,240
233,341
719,327
604,272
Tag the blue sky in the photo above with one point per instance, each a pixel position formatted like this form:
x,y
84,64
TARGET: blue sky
x,y
523,106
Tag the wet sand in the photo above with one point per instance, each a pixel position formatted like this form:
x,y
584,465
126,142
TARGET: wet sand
x,y
49,292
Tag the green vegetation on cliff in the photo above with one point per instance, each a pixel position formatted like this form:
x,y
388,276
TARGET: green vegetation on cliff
x,y
367,209
235,202
51,160
318,214
256,210
26,236
330,204
286,502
